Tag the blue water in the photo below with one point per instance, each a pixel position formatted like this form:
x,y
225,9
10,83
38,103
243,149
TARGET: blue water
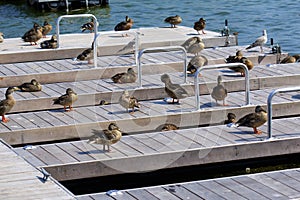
x,y
249,18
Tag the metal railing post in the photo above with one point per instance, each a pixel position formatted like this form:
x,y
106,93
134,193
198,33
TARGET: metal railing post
x,y
170,48
219,66
269,103
95,31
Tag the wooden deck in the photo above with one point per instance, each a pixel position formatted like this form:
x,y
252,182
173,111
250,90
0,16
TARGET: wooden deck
x,y
283,184
20,180
194,146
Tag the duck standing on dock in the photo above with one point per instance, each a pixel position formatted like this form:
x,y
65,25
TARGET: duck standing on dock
x,y
238,58
200,25
108,137
260,41
125,77
195,63
124,25
254,120
7,104
88,26
32,86
175,91
87,55
219,92
33,35
193,45
129,102
67,99
49,44
46,28
173,20
1,37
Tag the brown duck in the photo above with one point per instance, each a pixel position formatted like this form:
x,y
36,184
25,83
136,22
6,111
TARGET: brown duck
x,y
169,127
124,25
195,63
175,91
129,102
173,20
125,77
88,26
254,120
238,58
46,28
219,92
67,99
32,86
49,44
193,45
7,104
200,25
87,55
33,35
231,118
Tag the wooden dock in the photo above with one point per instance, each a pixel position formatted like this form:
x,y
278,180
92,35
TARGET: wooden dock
x,y
284,184
21,180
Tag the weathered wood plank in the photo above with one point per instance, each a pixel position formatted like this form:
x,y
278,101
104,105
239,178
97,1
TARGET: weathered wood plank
x,y
161,193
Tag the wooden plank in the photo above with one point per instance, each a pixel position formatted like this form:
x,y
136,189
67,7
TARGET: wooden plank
x,y
85,148
181,192
161,193
201,191
129,140
29,157
50,118
141,194
286,180
72,150
45,156
60,153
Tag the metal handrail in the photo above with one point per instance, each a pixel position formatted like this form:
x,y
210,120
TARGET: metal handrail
x,y
170,48
95,31
219,66
269,103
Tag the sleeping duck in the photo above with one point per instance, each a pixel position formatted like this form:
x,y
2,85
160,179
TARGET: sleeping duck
x,y
175,91
291,59
33,35
88,26
108,137
32,86
195,63
124,25
238,58
67,99
254,120
7,104
125,77
173,20
200,25
49,44
219,92
128,102
231,118
193,45
169,127
1,37
87,55
46,28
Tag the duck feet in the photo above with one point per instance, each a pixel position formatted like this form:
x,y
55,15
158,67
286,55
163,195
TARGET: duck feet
x,y
256,131
4,120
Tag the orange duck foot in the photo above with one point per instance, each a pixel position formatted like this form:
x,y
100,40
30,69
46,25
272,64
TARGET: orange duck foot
x,y
256,131
5,120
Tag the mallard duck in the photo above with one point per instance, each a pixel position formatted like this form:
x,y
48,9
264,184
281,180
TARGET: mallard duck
x,y
254,120
219,92
88,26
290,59
108,137
32,86
195,63
33,35
200,25
7,104
175,91
173,20
1,37
231,118
193,45
297,56
46,28
49,44
87,55
128,102
124,25
238,58
67,99
125,77
260,41
169,127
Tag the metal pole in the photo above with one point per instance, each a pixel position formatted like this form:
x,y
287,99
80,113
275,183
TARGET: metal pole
x,y
170,48
210,67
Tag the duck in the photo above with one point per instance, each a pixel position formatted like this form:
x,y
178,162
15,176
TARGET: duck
x,y
195,63
254,120
1,37
200,25
67,99
7,104
46,28
129,102
32,86
169,127
193,45
49,44
260,41
175,91
124,25
239,58
219,92
288,59
231,118
33,35
88,26
125,77
106,137
87,55
173,20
